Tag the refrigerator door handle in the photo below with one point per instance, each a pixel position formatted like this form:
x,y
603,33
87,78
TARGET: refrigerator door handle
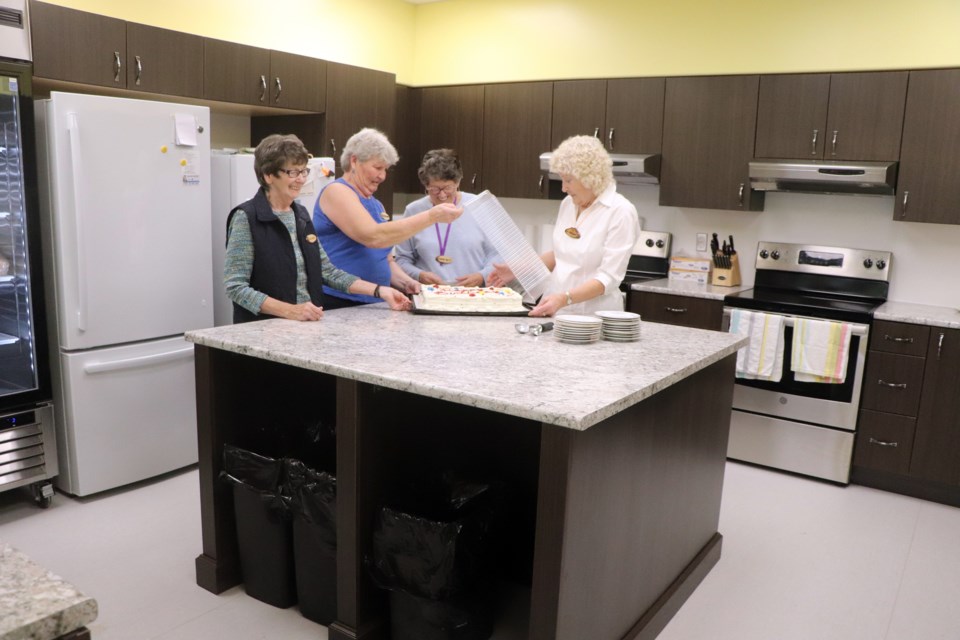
x,y
73,128
140,361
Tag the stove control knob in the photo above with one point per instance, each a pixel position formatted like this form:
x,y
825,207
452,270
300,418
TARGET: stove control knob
x,y
649,242
764,254
867,263
775,254
881,264
659,244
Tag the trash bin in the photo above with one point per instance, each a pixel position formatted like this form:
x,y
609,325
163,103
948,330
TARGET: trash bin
x,y
264,535
436,556
314,506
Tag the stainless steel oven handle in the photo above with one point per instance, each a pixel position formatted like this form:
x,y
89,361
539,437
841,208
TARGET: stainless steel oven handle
x,y
855,329
892,385
883,443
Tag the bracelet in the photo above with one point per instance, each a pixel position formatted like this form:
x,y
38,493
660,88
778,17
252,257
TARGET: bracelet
x,y
376,291
569,298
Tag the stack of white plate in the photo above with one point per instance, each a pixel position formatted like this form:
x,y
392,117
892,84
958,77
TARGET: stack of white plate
x,y
577,329
620,326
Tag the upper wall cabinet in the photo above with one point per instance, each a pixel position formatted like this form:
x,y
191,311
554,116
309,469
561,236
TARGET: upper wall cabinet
x,y
839,116
516,130
297,82
708,134
452,117
236,73
406,127
164,61
626,113
928,186
77,46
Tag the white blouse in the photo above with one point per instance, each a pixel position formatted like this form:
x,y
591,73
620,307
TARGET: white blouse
x,y
608,229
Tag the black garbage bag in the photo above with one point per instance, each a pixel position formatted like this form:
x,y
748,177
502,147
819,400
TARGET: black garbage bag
x,y
443,545
264,534
468,616
314,505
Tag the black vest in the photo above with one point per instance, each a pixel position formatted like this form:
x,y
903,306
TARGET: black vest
x,y
274,263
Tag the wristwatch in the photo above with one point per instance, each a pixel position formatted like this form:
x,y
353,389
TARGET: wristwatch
x,y
569,298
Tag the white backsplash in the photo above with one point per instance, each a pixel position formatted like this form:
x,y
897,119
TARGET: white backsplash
x,y
926,257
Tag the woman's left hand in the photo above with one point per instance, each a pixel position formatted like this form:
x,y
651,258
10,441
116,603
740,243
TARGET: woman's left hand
x,y
396,300
549,305
472,280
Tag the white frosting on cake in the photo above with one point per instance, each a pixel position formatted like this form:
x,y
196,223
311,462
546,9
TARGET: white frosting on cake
x,y
443,297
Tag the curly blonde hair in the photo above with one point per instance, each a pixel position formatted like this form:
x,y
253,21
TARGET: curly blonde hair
x,y
584,158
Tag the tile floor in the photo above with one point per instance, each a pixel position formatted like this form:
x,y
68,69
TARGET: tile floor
x,y
802,560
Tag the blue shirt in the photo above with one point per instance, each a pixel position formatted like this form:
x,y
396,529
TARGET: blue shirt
x,y
349,255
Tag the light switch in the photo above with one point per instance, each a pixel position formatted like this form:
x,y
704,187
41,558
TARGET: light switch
x,y
701,242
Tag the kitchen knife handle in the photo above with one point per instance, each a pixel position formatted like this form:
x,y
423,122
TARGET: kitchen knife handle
x,y
139,69
263,88
116,66
833,143
276,81
906,198
813,142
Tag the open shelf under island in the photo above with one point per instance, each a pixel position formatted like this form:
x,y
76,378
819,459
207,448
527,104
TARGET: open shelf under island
x,y
614,452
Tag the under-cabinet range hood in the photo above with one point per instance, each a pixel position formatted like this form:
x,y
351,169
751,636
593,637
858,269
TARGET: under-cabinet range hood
x,y
824,176
628,168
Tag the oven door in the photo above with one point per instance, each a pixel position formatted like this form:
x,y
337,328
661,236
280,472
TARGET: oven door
x,y
829,405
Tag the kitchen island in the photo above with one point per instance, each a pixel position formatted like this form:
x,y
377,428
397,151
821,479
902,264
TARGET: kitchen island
x,y
614,452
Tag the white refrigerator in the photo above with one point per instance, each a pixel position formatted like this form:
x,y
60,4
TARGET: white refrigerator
x,y
234,182
125,218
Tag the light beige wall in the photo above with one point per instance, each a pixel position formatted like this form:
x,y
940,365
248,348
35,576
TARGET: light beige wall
x,y
471,41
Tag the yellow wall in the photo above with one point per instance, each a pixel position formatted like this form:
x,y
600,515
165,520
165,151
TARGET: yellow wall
x,y
472,41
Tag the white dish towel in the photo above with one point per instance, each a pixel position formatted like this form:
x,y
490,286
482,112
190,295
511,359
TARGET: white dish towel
x,y
820,349
762,358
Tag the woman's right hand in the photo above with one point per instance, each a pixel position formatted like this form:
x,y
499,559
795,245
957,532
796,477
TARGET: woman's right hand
x,y
444,212
501,276
306,311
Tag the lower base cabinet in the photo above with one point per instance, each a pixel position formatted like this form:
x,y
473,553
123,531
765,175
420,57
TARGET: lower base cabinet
x,y
684,311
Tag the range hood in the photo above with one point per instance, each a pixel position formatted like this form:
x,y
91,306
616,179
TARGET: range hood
x,y
628,168
824,176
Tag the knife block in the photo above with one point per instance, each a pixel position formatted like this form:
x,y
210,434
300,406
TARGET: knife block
x,y
727,277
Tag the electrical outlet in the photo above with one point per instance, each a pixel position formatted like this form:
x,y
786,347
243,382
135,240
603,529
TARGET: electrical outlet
x,y
701,242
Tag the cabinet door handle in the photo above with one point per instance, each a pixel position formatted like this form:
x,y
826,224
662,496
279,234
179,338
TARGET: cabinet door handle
x,y
473,180
596,132
263,88
892,385
333,145
675,309
740,194
139,69
276,81
883,443
897,339
813,142
939,345
610,139
540,184
116,66
906,198
833,143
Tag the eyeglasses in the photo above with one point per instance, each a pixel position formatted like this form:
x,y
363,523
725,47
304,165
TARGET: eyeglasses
x,y
448,190
296,173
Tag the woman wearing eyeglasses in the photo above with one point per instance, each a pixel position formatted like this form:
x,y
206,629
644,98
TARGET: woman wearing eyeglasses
x,y
452,253
275,265
354,226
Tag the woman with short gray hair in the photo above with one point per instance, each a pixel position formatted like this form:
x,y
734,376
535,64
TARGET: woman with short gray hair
x,y
593,238
354,226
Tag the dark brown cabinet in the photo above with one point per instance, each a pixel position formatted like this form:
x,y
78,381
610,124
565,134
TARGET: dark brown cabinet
x,y
297,82
452,117
407,139
236,73
839,116
516,130
709,125
685,311
76,46
164,61
625,113
936,447
928,186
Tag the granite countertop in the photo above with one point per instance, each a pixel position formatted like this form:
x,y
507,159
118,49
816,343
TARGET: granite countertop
x,y
482,361
35,604
919,314
685,288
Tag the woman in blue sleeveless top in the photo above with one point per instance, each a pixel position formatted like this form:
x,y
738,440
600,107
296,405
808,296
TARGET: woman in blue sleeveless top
x,y
354,227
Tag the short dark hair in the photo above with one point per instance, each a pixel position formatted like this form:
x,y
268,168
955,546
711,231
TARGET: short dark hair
x,y
440,164
276,150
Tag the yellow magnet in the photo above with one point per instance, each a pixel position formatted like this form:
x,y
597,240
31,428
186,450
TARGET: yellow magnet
x,y
183,162
163,149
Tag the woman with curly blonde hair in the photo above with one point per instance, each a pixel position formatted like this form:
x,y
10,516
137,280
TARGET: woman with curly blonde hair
x,y
593,238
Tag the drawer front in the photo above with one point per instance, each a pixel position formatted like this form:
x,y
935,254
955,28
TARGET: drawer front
x,y
898,337
699,313
884,442
891,383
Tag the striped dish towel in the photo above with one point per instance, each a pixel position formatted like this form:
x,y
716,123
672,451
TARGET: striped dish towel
x,y
762,358
820,349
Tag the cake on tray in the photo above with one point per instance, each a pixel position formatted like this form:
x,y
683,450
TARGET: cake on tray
x,y
442,297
